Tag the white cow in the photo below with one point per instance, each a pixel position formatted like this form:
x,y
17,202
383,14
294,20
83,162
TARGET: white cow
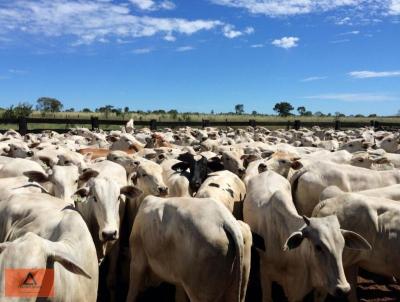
x,y
312,248
225,187
40,231
309,182
193,243
376,219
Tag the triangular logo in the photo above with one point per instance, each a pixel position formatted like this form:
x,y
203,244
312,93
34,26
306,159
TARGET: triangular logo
x,y
29,280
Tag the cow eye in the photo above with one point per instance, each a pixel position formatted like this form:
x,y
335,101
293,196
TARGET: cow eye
x,y
360,160
144,175
389,140
351,145
318,248
94,199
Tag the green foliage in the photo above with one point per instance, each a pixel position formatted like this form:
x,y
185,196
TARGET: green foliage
x,y
86,110
70,110
21,110
283,108
239,109
49,104
301,110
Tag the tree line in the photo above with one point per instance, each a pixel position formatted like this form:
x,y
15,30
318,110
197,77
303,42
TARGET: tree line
x,y
52,105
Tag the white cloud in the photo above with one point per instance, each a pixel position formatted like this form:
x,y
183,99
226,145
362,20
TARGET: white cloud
x,y
353,97
169,37
357,9
340,41
184,48
89,21
286,42
153,5
365,74
394,8
17,71
141,51
312,79
230,32
257,46
354,32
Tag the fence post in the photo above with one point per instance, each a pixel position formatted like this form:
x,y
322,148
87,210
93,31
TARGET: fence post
x,y
153,124
95,122
288,125
205,123
337,125
252,123
22,125
297,124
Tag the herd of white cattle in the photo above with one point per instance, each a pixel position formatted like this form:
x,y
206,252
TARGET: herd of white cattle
x,y
187,206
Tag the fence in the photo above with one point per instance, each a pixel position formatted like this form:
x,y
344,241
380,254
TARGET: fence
x,y
154,124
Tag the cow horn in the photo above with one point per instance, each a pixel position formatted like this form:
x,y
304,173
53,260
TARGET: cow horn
x,y
306,220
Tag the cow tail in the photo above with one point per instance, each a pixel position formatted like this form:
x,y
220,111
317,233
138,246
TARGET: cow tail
x,y
234,234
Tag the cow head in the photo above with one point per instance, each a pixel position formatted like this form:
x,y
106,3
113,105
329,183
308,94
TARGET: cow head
x,y
326,242
148,178
199,168
18,150
102,196
63,178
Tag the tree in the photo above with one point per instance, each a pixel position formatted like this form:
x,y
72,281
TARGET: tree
x,y
126,109
49,104
70,110
239,108
254,112
373,115
21,110
86,110
319,114
301,110
307,113
283,108
212,111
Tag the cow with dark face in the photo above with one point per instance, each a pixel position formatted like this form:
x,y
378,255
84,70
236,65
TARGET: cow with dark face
x,y
198,168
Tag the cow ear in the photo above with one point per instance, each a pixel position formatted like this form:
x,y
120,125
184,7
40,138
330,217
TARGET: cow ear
x,y
262,168
88,174
214,166
296,165
186,157
180,166
46,160
131,192
355,241
68,261
36,176
294,241
80,194
34,145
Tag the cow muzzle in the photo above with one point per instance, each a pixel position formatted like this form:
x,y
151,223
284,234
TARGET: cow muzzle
x,y
109,235
163,191
341,291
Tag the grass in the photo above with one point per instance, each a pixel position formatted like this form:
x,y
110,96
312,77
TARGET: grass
x,y
184,117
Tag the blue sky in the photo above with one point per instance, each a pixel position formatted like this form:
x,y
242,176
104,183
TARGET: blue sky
x,y
203,55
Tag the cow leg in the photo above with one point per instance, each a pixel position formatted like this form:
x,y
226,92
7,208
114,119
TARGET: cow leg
x,y
138,269
180,294
351,276
266,283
